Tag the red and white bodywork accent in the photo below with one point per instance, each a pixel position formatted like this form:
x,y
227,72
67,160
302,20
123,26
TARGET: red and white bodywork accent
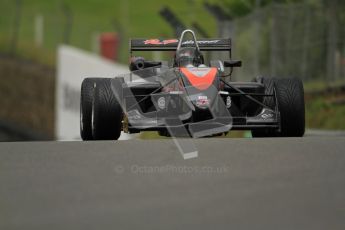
x,y
200,78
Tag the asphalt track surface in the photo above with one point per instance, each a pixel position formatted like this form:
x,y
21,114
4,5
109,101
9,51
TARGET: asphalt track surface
x,y
140,184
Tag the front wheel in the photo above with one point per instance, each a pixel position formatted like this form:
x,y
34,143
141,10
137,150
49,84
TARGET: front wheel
x,y
86,98
289,97
107,113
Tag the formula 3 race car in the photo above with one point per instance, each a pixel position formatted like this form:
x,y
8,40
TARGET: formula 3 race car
x,y
189,97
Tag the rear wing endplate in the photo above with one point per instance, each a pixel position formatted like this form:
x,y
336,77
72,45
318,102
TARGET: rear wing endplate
x,y
213,44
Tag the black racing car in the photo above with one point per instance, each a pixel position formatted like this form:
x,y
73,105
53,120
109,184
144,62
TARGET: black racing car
x,y
189,97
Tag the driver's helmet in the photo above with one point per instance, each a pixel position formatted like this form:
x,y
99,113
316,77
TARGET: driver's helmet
x,y
188,56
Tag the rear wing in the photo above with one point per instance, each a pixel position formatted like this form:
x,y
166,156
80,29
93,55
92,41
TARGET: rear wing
x,y
213,44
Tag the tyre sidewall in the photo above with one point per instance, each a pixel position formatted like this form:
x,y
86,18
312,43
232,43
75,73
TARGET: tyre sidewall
x,y
107,113
86,98
290,98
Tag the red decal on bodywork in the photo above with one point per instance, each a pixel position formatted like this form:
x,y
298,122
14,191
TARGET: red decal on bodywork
x,y
152,42
159,42
170,41
200,82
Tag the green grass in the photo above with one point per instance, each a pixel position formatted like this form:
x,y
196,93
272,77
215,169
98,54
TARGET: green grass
x,y
326,113
327,110
319,85
90,17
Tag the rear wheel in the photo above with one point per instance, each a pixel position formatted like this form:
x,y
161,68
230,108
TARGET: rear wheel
x,y
107,113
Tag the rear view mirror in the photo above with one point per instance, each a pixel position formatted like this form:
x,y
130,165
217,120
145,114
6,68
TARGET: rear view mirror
x,y
233,63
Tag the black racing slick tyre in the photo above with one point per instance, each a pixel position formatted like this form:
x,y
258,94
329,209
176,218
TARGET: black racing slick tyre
x,y
86,98
289,94
107,113
290,98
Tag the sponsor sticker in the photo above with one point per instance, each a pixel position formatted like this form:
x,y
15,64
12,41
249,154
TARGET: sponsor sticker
x,y
267,116
202,101
228,102
161,102
159,42
156,41
200,42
